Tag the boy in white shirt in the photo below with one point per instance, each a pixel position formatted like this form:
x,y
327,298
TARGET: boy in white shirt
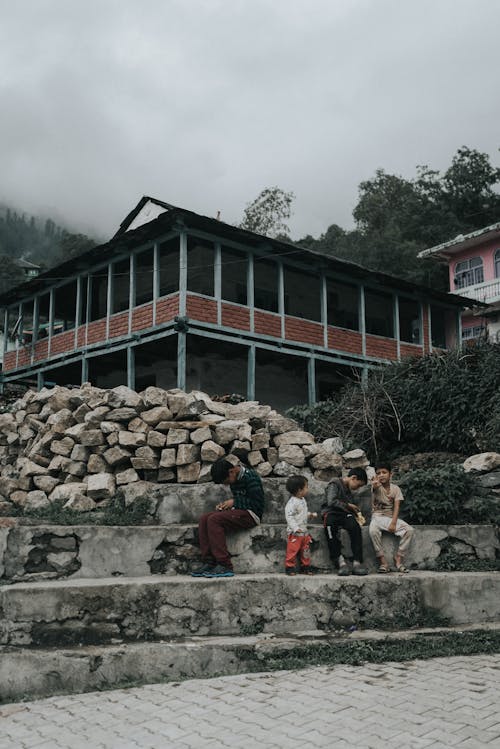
x,y
297,515
386,501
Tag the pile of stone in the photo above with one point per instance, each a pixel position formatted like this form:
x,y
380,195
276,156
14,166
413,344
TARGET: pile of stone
x,y
81,445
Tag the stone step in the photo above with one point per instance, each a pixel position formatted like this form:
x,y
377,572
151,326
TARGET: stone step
x,y
42,672
66,612
39,552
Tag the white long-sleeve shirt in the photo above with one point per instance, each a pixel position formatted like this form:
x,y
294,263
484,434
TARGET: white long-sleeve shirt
x,y
296,515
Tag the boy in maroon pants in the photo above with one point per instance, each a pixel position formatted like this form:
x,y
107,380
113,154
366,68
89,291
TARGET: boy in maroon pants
x,y
243,510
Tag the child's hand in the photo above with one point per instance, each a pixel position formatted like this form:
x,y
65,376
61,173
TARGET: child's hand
x,y
313,514
392,527
375,482
225,505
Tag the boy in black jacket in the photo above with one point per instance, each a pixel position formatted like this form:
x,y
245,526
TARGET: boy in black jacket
x,y
339,511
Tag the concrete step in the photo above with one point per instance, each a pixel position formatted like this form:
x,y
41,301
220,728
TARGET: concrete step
x,y
39,552
42,672
65,612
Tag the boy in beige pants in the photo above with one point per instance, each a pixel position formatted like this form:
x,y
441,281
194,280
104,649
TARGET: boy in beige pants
x,y
386,501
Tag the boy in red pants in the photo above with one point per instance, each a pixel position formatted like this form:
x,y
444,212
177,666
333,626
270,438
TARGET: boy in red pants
x,y
296,515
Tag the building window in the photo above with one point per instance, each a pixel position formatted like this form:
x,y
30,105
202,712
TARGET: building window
x,y
474,332
169,266
469,272
98,294
266,282
120,279
144,263
200,266
438,327
379,313
84,287
409,321
497,263
26,323
302,294
65,307
234,276
343,305
43,317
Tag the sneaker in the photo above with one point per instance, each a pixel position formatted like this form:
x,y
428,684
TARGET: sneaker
x,y
357,570
290,571
344,571
306,571
202,570
219,571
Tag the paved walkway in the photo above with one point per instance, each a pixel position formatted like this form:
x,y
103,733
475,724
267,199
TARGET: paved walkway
x,y
444,702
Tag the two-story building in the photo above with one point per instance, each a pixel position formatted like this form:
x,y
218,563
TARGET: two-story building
x,y
474,268
179,299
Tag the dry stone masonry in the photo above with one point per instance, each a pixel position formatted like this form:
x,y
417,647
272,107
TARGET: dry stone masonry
x,y
81,446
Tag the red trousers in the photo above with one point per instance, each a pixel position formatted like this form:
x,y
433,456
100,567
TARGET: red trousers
x,y
298,546
212,529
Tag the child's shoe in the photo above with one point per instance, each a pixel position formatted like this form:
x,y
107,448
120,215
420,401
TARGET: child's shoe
x,y
344,570
290,571
306,571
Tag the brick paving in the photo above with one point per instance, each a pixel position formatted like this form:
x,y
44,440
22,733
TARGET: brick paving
x,y
444,702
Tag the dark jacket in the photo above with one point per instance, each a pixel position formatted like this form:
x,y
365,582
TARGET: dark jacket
x,y
337,497
248,493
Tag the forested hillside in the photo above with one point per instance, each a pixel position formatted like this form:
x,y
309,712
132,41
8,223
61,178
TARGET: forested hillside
x,y
41,241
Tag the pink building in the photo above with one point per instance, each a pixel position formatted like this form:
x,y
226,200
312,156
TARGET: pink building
x,y
474,267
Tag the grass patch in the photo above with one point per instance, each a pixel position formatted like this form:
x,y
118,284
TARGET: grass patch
x,y
452,561
115,513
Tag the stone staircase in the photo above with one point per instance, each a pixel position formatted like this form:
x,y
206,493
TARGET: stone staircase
x,y
89,607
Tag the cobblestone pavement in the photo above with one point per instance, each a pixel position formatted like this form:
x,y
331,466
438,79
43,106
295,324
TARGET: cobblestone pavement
x,y
444,702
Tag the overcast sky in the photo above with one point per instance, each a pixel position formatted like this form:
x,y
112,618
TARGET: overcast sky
x,y
203,103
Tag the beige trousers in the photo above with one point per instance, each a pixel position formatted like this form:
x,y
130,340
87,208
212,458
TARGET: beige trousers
x,y
381,523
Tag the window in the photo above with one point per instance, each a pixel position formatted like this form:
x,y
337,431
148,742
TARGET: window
x,y
409,321
438,327
26,323
64,308
120,278
82,318
13,330
469,272
98,294
379,313
302,294
266,275
169,266
343,305
497,263
474,332
200,266
43,316
144,262
234,276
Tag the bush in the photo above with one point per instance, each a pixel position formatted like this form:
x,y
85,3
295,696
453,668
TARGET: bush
x,y
436,495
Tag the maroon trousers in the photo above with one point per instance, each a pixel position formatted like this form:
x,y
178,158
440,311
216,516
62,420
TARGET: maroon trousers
x,y
212,529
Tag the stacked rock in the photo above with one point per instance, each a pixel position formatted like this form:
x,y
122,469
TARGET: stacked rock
x,y
81,445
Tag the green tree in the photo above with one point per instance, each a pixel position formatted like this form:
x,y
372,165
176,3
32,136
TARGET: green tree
x,y
268,213
11,274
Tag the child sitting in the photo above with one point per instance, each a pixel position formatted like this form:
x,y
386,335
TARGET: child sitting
x,y
386,501
296,515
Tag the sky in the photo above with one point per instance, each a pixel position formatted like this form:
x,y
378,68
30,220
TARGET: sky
x,y
204,103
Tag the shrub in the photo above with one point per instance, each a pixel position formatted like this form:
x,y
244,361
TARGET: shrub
x,y
436,495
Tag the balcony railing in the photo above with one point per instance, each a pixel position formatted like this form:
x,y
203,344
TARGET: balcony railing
x,y
488,291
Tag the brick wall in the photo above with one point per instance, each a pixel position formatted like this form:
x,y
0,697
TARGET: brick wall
x,y
167,308
267,324
345,340
41,349
118,324
201,308
142,317
9,360
96,331
235,317
62,342
410,349
24,356
81,336
297,329
383,348
425,327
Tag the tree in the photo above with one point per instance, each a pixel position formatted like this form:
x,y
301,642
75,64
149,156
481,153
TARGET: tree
x,y
11,274
268,212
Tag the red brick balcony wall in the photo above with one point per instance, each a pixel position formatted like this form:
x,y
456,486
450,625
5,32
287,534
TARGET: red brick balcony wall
x,y
96,331
382,348
297,329
62,342
142,317
408,349
9,360
235,317
24,356
167,308
266,323
118,324
345,340
201,308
